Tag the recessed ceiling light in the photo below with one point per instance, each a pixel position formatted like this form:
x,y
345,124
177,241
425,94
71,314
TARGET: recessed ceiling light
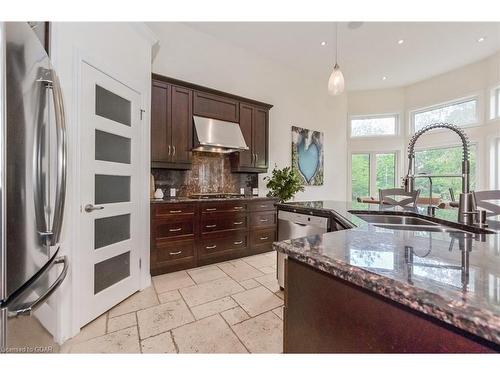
x,y
480,40
401,41
323,43
384,78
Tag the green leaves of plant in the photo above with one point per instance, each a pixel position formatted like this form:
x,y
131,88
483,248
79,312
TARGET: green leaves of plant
x,y
283,184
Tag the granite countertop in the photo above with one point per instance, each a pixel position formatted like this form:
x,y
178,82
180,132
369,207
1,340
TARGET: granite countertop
x,y
452,276
187,199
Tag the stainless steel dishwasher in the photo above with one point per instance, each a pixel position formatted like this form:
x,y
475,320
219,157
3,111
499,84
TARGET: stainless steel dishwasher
x,y
293,225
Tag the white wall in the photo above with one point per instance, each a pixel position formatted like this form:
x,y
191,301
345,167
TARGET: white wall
x,y
474,79
122,50
196,57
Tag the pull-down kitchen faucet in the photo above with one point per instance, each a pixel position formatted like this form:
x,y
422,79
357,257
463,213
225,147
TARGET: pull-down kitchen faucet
x,y
467,211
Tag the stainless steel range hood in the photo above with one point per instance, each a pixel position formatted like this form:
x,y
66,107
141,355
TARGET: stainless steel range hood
x,y
217,136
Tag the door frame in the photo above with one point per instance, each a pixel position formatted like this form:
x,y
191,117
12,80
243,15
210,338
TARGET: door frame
x,y
81,58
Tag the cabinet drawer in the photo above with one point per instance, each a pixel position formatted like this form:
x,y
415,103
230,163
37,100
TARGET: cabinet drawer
x,y
262,205
175,251
174,209
223,221
262,219
214,106
262,236
233,206
169,228
215,244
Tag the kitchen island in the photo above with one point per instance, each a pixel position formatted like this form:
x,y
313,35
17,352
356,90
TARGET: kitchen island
x,y
380,288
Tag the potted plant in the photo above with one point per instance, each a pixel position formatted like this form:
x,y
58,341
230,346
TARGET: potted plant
x,y
283,183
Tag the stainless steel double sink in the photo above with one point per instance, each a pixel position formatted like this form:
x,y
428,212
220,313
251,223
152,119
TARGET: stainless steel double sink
x,y
412,223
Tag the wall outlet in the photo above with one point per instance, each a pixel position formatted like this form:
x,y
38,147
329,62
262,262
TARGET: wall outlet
x,y
255,191
173,192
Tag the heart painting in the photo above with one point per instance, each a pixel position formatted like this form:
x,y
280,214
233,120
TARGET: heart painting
x,y
307,155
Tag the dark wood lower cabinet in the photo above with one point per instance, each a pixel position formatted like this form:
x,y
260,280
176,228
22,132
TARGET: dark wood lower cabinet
x,y
190,234
325,314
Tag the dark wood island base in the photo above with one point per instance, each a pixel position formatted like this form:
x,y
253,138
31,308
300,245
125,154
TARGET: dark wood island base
x,y
325,314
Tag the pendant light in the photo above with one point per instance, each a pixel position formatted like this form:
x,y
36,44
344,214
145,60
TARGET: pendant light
x,y
336,83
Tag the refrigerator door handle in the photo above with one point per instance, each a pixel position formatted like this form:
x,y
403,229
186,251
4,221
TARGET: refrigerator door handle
x,y
61,159
38,178
27,308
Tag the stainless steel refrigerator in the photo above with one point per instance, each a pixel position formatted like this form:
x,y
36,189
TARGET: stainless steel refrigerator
x,y
33,182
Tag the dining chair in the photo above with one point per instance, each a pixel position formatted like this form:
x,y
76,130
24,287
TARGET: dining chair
x,y
398,197
488,200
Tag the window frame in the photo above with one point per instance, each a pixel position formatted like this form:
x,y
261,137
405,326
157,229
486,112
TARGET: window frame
x,y
495,103
397,130
372,186
474,97
496,164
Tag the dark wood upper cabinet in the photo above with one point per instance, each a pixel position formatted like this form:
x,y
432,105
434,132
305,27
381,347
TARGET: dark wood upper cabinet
x,y
246,158
254,124
261,137
182,125
171,126
216,106
173,104
160,122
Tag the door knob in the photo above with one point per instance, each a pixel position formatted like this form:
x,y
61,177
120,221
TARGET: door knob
x,y
90,207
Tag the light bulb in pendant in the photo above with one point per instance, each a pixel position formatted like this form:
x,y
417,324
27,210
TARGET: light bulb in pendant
x,y
336,82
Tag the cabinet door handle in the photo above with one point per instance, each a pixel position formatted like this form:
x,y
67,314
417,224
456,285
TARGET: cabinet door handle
x,y
176,253
256,157
211,226
169,150
173,150
210,209
238,207
210,247
175,229
263,205
238,222
264,220
175,211
264,238
237,242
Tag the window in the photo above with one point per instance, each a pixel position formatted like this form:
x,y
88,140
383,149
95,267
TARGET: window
x,y
445,160
374,126
460,113
360,175
386,170
371,171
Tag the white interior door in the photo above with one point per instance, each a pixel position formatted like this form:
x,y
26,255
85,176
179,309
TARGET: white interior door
x,y
109,250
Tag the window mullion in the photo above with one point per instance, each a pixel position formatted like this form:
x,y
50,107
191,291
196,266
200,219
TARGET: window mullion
x,y
373,175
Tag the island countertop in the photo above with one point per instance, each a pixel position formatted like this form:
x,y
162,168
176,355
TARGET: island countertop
x,y
453,277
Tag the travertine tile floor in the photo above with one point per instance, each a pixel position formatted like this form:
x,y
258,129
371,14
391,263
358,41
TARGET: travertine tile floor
x,y
230,307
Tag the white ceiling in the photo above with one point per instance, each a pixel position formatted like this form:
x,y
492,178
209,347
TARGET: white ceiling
x,y
367,53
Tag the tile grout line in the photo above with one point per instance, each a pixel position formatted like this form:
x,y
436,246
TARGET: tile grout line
x,y
235,334
138,335
177,351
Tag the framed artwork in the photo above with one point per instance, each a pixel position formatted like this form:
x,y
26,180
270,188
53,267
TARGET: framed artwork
x,y
307,155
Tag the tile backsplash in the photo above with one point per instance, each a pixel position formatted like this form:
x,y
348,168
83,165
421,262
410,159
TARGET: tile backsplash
x,y
210,172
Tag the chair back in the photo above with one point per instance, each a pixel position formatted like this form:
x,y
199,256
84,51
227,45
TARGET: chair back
x,y
488,200
398,197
